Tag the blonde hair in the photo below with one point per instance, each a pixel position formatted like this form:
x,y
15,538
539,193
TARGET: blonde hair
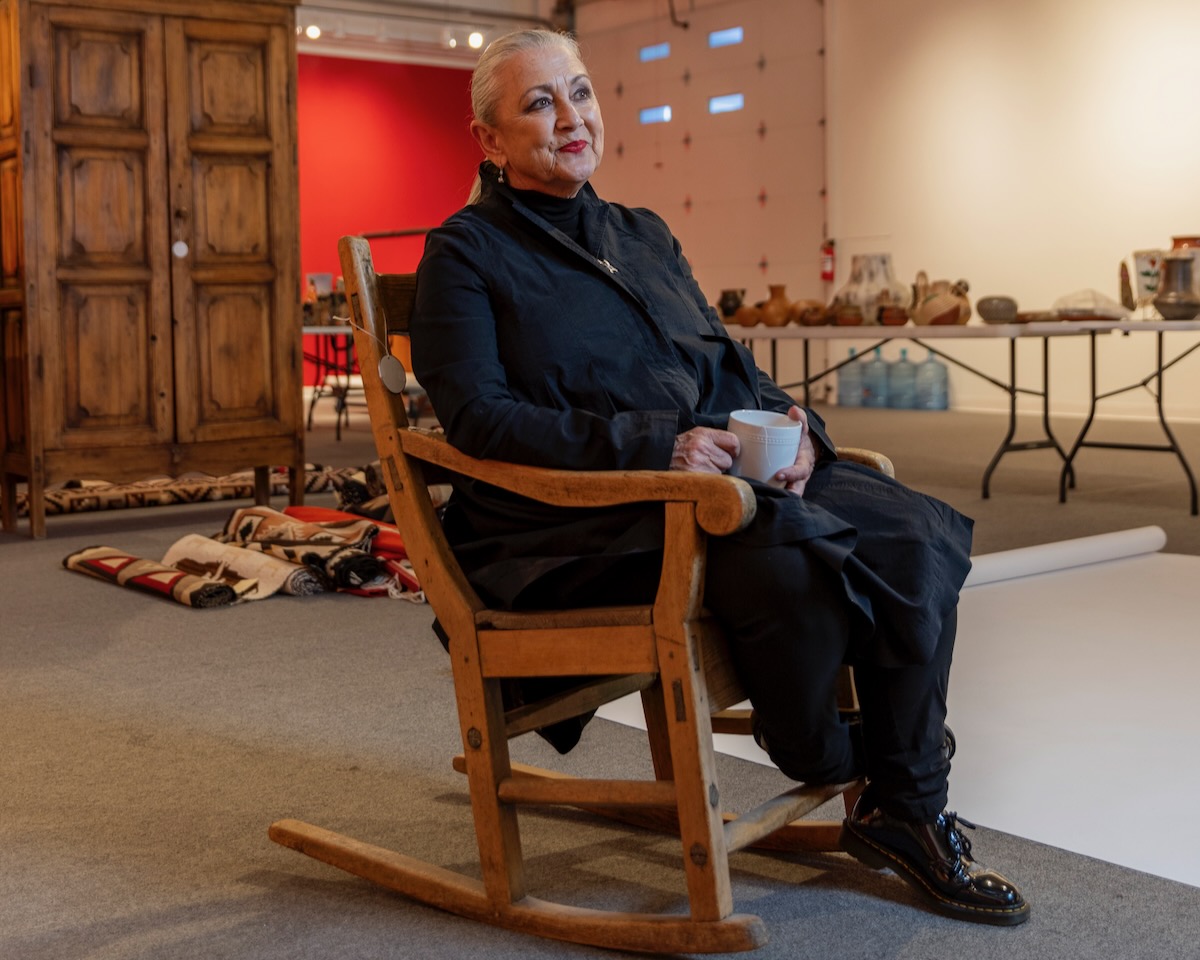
x,y
487,85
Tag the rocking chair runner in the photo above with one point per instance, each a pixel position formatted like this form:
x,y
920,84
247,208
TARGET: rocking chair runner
x,y
670,651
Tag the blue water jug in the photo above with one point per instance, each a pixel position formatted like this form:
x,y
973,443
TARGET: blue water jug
x,y
902,383
875,381
932,391
850,383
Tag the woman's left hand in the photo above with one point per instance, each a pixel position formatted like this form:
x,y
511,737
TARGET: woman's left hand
x,y
795,477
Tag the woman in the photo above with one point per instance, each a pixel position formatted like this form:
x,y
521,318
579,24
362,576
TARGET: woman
x,y
555,329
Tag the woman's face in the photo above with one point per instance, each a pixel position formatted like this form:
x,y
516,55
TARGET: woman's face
x,y
548,134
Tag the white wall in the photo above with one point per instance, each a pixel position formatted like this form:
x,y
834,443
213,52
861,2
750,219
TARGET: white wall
x,y
1026,145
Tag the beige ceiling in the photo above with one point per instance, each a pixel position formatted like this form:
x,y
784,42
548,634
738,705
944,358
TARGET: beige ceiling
x,y
420,32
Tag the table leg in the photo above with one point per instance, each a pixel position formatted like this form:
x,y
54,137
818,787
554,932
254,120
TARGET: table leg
x,y
1046,409
1006,443
320,361
807,397
1068,469
1162,420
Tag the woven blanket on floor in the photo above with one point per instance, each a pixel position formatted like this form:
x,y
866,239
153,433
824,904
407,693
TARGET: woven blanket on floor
x,y
213,560
150,576
362,491
338,550
387,547
79,496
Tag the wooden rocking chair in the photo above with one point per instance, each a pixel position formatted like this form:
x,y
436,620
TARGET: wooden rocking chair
x,y
670,651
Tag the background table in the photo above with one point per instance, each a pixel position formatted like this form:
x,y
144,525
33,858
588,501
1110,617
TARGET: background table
x,y
920,335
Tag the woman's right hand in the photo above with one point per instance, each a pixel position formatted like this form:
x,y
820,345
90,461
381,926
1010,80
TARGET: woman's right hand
x,y
704,450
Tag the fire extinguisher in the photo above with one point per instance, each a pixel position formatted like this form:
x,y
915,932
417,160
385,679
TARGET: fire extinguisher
x,y
827,261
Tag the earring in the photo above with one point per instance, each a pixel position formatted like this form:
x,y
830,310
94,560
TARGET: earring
x,y
500,176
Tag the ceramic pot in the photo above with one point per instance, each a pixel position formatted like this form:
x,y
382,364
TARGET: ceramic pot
x,y
893,316
849,315
748,315
1177,297
801,310
1189,245
872,286
997,309
776,308
940,302
729,302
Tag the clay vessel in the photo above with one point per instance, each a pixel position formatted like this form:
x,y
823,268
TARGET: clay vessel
x,y
729,302
748,315
800,311
849,315
940,302
776,308
872,286
1177,297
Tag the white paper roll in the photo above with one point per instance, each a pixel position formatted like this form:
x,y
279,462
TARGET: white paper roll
x,y
1064,554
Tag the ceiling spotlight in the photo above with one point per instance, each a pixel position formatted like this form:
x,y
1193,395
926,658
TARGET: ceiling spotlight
x,y
312,31
452,43
475,40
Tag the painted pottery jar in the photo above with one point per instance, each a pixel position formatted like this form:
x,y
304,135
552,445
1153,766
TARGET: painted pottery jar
x,y
940,302
872,286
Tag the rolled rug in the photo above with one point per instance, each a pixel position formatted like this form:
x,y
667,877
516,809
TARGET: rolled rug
x,y
214,560
150,576
338,550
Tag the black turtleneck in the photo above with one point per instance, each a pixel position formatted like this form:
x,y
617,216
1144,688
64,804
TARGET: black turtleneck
x,y
565,213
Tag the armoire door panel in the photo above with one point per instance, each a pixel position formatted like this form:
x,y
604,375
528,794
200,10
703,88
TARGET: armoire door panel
x,y
228,82
102,206
109,355
98,77
10,223
232,210
8,70
12,376
235,349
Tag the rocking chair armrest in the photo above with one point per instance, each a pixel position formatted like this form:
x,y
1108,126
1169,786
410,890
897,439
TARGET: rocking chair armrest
x,y
724,504
868,458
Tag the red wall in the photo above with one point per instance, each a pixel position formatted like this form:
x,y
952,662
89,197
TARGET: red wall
x,y
383,146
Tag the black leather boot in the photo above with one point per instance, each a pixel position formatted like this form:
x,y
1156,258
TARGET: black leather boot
x,y
935,858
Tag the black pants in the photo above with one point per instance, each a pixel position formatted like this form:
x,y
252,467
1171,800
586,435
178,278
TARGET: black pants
x,y
791,630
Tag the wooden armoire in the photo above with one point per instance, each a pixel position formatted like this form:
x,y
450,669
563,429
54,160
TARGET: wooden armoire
x,y
149,276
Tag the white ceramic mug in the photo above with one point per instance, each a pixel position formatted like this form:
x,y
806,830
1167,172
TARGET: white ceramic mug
x,y
769,442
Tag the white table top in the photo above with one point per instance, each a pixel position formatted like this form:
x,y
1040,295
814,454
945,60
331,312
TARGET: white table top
x,y
910,331
329,330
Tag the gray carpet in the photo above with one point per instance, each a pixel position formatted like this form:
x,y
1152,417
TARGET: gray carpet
x,y
147,747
